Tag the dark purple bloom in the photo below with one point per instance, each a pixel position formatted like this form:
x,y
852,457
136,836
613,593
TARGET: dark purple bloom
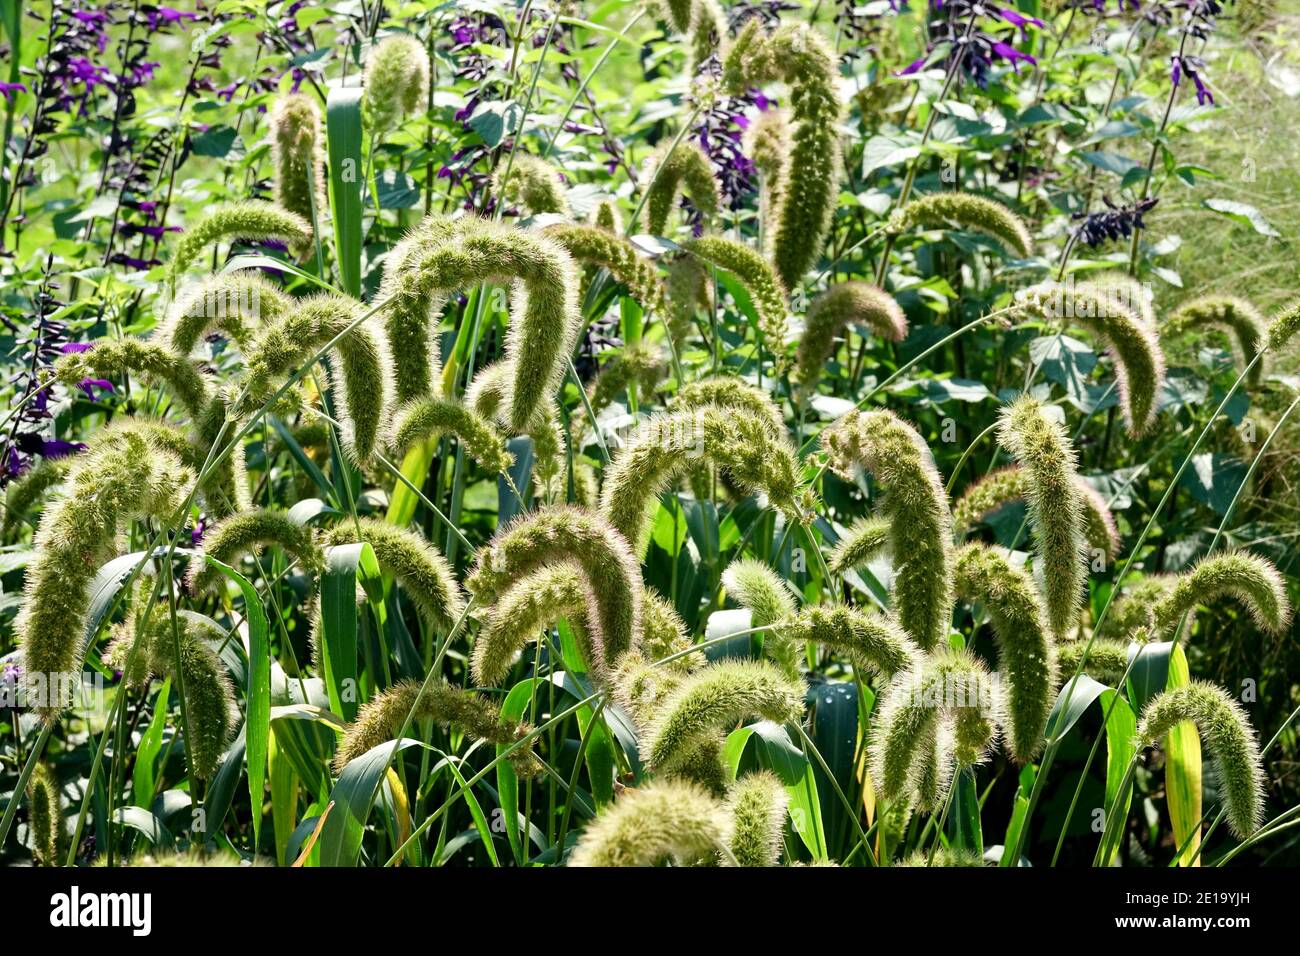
x,y
161,17
1114,222
56,448
88,385
1192,66
7,88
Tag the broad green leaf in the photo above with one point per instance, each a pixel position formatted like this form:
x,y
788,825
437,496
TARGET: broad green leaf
x,y
353,797
343,134
338,605
1245,214
143,781
138,818
1183,771
257,692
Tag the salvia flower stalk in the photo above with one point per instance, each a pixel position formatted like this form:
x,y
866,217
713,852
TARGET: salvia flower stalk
x,y
800,57
396,81
121,476
1041,447
666,821
916,507
1227,733
1026,651
238,220
381,717
560,535
833,311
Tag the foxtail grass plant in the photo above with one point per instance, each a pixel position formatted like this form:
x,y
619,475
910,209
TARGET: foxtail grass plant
x,y
916,507
800,57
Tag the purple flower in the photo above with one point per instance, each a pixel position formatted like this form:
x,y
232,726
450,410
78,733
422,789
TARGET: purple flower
x,y
56,448
1007,52
1020,21
76,348
1192,66
1114,222
7,88
88,385
161,17
84,72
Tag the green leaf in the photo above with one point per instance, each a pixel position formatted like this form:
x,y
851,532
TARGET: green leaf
x,y
257,693
773,750
338,605
1245,214
214,143
221,791
1213,479
1183,770
966,813
353,796
138,818
396,190
1149,674
1121,734
143,781
343,134
1112,162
